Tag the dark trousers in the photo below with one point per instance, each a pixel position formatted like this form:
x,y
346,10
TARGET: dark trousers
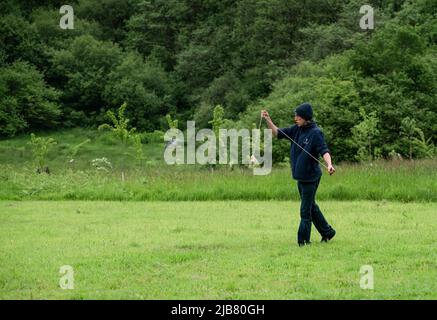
x,y
310,212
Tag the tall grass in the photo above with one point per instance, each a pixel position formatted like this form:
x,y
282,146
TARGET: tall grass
x,y
154,180
402,182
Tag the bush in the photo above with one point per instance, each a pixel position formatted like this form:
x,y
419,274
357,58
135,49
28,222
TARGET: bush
x,y
40,149
81,71
26,102
19,40
119,125
156,136
146,88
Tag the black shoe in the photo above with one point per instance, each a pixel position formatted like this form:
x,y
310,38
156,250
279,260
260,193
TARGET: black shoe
x,y
305,243
326,239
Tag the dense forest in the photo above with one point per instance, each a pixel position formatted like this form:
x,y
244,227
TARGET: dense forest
x,y
374,91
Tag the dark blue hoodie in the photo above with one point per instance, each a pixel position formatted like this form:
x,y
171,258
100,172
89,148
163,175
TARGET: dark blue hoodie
x,y
309,137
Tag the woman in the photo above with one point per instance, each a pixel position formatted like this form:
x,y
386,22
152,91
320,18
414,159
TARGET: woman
x,y
305,169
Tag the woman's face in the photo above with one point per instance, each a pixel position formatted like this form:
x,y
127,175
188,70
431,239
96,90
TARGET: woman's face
x,y
299,121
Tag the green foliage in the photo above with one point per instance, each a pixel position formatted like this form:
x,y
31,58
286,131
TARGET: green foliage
x,y
281,151
172,124
382,180
26,102
144,86
389,71
364,134
421,15
81,72
391,49
398,181
40,148
425,147
19,40
217,123
119,126
153,29
335,102
408,129
74,149
218,120
46,24
110,15
228,91
320,41
138,146
185,57
156,136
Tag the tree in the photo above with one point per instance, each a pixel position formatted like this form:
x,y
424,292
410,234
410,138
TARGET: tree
x,y
394,48
81,72
320,41
408,129
40,148
26,102
425,147
119,126
111,15
364,133
229,92
218,119
119,129
145,86
19,40
172,124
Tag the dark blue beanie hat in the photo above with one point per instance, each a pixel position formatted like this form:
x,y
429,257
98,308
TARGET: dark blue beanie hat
x,y
305,111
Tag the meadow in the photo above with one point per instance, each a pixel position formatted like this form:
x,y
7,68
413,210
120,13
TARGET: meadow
x,y
152,179
145,230
214,250
87,90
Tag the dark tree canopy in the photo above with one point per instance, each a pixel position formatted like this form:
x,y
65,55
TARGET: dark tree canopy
x,y
184,57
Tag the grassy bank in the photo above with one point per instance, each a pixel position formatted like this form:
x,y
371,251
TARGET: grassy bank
x,y
154,180
405,182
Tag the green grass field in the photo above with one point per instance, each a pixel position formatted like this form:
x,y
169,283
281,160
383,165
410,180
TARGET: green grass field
x,y
214,249
191,232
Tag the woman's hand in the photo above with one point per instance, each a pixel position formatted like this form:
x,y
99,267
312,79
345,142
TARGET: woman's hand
x,y
265,114
270,124
331,169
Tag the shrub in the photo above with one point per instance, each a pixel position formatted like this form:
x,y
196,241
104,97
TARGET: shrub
x,y
145,86
152,137
81,72
119,126
40,148
26,102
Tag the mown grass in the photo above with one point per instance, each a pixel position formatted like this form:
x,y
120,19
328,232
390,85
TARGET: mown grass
x,y
152,179
214,250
